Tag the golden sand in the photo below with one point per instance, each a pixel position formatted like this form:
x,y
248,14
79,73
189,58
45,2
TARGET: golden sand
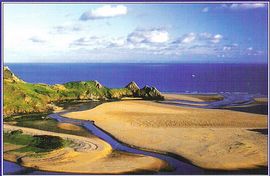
x,y
213,139
85,155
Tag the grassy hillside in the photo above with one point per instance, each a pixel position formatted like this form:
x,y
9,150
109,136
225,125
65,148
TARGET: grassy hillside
x,y
21,97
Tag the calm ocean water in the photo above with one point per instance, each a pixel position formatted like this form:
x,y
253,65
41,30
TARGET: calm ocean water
x,y
189,78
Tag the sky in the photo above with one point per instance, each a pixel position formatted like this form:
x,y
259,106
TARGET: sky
x,y
136,33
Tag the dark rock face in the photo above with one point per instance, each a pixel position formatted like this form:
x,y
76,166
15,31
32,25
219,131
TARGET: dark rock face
x,y
133,87
150,93
146,92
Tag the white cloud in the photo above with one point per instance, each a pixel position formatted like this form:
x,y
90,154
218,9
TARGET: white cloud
x,y
92,42
226,48
206,9
36,39
217,38
155,35
230,47
63,29
148,41
199,38
250,48
117,42
188,38
106,11
243,6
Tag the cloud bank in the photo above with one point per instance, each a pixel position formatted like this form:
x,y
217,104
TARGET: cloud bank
x,y
106,11
243,6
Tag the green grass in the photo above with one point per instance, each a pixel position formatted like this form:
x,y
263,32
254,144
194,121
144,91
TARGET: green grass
x,y
120,93
34,144
24,98
42,122
17,139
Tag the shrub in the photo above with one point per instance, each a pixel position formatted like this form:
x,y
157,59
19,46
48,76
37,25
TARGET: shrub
x,y
47,142
16,132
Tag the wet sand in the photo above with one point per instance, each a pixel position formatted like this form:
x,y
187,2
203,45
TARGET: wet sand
x,y
84,155
193,97
209,138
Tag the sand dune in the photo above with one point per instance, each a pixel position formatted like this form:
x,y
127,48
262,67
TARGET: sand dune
x,y
85,155
214,139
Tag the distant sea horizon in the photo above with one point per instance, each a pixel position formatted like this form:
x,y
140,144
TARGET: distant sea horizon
x,y
167,77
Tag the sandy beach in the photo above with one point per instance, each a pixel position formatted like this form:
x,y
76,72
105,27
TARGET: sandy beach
x,y
85,155
209,138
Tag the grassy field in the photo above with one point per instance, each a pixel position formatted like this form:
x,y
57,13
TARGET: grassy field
x,y
42,122
33,144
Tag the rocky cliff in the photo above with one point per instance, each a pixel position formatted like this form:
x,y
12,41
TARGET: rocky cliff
x,y
146,92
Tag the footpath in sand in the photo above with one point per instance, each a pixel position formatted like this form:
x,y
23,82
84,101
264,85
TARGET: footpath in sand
x,y
209,138
84,155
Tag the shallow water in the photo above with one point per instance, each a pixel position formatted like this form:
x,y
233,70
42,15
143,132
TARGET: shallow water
x,y
230,99
11,168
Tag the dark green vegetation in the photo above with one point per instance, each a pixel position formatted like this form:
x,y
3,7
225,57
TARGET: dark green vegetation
x,y
42,122
37,143
23,98
47,142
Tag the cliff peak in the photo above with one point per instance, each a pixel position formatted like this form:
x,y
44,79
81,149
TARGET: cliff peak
x,y
150,93
97,84
10,76
133,86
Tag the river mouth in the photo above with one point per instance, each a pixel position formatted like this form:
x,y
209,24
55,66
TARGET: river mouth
x,y
176,166
180,166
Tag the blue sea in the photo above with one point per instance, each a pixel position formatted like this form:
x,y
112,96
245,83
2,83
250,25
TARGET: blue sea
x,y
181,78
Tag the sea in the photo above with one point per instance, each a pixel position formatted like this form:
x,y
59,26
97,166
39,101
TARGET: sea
x,y
174,78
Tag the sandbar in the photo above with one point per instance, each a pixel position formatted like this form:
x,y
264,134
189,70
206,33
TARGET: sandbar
x,y
209,138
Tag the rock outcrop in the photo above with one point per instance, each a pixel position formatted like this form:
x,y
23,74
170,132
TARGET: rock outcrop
x,y
9,76
133,87
146,92
150,93
97,84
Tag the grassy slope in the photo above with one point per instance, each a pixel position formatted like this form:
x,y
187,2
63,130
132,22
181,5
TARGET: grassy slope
x,y
21,97
41,122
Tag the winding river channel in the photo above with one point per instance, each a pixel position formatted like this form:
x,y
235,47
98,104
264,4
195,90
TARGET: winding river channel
x,y
179,167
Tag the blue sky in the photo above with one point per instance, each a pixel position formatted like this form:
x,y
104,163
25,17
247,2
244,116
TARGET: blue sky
x,y
156,33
